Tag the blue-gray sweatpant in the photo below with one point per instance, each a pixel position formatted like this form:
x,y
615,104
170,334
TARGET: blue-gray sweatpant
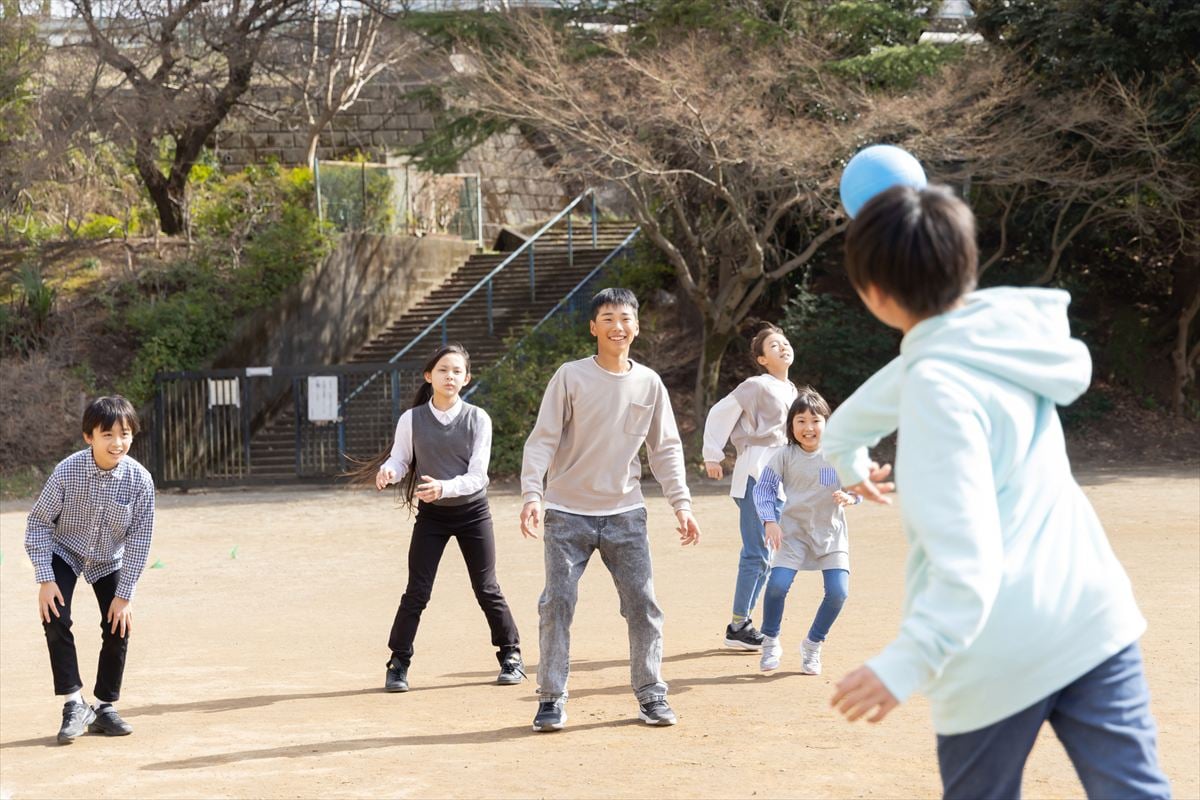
x,y
570,540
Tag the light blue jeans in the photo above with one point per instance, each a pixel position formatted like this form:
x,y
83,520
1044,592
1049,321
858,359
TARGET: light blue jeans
x,y
1103,721
569,541
837,589
755,560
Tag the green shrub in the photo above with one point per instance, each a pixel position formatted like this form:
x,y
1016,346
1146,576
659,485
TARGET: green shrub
x,y
184,314
100,226
897,66
511,389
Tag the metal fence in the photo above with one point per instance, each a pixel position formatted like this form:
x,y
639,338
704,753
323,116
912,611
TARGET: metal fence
x,y
398,199
266,425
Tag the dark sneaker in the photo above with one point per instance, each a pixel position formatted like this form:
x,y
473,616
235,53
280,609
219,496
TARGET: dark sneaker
x,y
76,717
512,670
655,711
397,676
746,637
551,715
109,722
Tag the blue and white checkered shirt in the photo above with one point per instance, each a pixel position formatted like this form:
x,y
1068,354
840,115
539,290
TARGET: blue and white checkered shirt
x,y
98,521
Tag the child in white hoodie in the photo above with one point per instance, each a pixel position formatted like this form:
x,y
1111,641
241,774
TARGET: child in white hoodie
x,y
1017,612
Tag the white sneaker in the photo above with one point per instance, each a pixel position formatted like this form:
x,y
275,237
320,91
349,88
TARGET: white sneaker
x,y
772,651
810,657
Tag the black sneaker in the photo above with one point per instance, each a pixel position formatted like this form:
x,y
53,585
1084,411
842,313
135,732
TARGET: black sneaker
x,y
551,715
76,717
656,711
512,669
109,722
746,637
397,676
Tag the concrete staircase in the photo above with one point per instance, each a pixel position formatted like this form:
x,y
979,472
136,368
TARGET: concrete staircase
x,y
514,304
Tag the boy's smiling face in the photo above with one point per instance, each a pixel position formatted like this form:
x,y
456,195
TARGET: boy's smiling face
x,y
109,446
615,328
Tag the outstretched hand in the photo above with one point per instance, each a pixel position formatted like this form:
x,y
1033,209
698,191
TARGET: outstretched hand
x,y
531,519
384,478
689,529
859,692
876,488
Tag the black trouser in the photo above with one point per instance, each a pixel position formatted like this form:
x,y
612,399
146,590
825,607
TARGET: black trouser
x,y
471,524
63,661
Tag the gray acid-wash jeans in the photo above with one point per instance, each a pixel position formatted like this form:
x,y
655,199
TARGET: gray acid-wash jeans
x,y
570,540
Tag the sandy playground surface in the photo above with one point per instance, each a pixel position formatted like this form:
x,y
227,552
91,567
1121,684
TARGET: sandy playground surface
x,y
255,672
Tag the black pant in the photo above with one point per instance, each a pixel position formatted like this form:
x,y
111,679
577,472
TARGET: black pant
x,y
471,524
63,661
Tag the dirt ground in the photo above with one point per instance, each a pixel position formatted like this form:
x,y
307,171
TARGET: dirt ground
x,y
260,642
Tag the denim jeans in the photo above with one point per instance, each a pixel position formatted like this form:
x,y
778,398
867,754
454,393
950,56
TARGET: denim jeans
x,y
1103,721
64,663
570,540
837,589
755,560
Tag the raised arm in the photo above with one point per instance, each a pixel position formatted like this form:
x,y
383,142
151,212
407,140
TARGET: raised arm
x,y
137,543
39,528
950,507
401,457
543,440
866,416
721,420
664,450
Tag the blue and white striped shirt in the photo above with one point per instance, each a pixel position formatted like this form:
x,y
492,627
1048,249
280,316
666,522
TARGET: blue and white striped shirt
x,y
98,521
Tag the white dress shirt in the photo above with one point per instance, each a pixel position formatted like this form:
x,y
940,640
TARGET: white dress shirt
x,y
475,478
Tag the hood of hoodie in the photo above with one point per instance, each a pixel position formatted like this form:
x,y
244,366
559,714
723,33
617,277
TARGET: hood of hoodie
x,y
1018,335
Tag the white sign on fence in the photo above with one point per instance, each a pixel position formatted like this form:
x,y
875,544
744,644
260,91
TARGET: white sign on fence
x,y
224,392
322,398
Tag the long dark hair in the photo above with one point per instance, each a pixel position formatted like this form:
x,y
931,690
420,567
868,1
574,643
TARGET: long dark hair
x,y
366,471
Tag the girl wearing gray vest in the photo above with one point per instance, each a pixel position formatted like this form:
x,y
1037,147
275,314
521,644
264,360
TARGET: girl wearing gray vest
x,y
441,452
809,534
752,417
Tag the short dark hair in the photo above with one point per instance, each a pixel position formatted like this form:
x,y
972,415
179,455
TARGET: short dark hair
x,y
809,399
915,245
614,296
104,412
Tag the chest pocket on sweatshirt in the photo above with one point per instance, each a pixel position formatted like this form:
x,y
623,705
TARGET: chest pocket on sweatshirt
x,y
637,419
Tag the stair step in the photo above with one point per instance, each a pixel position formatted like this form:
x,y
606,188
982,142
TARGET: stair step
x,y
272,449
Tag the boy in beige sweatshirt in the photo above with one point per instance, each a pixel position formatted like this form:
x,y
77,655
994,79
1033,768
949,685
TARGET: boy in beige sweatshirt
x,y
581,462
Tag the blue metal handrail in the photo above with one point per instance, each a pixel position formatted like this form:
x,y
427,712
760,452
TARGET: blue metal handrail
x,y
561,304
487,280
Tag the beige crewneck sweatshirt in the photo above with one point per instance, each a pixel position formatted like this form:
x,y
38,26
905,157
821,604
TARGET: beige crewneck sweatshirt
x,y
582,455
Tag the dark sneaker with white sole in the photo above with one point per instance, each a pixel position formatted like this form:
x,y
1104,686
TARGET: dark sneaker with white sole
x,y
109,723
397,676
747,637
551,715
656,711
512,670
76,718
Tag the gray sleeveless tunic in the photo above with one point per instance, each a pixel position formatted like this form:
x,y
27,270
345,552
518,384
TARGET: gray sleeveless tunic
x,y
444,451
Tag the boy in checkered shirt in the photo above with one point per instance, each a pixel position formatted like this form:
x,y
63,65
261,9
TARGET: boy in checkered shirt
x,y
95,518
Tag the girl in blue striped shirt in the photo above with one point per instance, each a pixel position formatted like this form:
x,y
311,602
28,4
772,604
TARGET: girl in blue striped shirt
x,y
810,533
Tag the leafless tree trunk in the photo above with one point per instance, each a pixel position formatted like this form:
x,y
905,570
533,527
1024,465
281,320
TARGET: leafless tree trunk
x,y
183,67
345,53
